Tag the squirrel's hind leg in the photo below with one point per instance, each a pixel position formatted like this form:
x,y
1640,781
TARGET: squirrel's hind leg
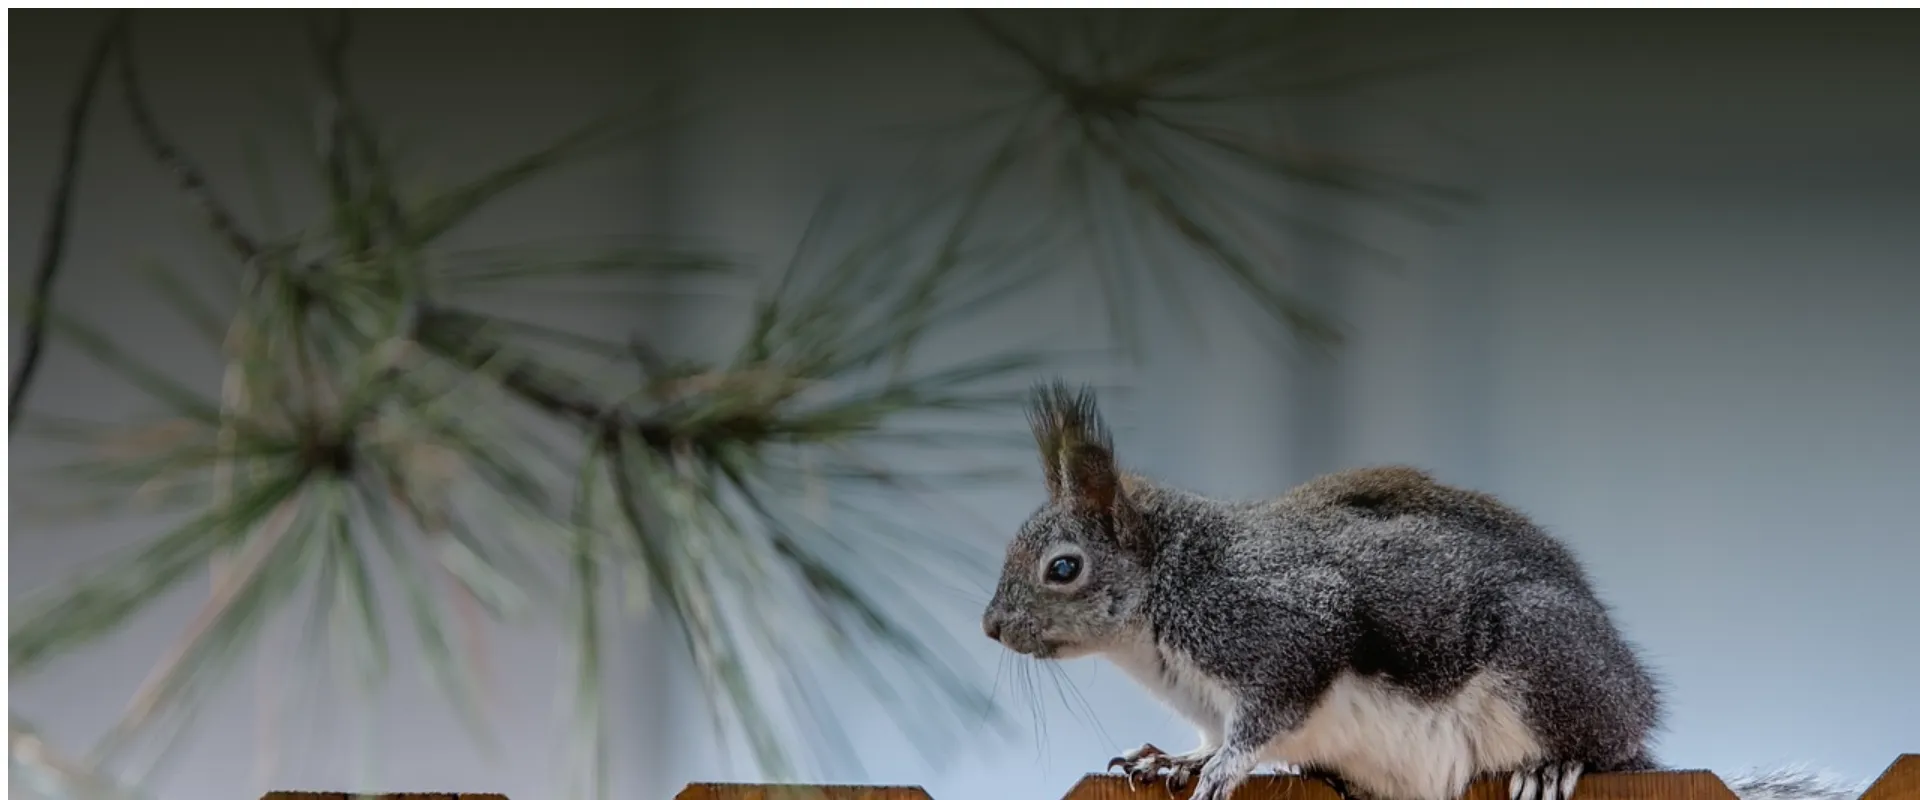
x,y
1545,781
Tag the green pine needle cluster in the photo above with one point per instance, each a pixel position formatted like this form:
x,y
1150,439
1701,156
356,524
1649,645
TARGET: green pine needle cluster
x,y
381,441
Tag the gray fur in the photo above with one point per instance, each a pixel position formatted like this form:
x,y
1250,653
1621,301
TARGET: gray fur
x,y
1378,575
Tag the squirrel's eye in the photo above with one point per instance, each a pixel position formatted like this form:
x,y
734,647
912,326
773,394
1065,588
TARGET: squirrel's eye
x,y
1063,569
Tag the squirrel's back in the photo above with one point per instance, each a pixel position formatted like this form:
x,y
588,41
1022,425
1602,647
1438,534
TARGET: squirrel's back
x,y
1388,491
1402,515
1397,491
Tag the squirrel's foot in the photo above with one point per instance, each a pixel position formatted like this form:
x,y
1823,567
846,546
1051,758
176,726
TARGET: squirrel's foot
x,y
1147,763
1130,756
1545,781
1184,768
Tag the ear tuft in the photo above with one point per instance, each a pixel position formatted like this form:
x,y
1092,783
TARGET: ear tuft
x,y
1076,451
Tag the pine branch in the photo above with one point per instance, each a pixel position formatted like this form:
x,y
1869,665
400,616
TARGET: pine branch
x,y
366,399
1133,118
54,241
460,337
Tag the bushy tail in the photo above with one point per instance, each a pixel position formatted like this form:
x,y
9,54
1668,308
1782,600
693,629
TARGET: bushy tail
x,y
1794,783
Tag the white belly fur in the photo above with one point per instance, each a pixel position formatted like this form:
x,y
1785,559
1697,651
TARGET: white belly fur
x,y
1400,748
1380,739
1181,687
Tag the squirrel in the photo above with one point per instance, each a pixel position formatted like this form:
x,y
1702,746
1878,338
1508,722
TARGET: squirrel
x,y
1392,636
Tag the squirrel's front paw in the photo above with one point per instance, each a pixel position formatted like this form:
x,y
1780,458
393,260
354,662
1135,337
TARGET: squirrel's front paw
x,y
1146,764
1544,782
1136,754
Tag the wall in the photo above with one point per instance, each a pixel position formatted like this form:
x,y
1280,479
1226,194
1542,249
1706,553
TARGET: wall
x,y
1678,331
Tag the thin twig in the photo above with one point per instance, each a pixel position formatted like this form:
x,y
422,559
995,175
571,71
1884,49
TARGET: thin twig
x,y
1048,71
191,180
349,135
54,240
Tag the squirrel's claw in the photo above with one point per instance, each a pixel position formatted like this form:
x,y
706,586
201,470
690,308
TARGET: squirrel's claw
x,y
1181,775
1148,764
1133,759
1147,769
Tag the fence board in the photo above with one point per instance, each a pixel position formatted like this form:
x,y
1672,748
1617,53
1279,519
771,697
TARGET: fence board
x,y
1672,785
775,791
388,796
1901,781
1258,787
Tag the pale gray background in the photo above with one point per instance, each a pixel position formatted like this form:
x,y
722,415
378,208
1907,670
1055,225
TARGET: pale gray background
x,y
1681,333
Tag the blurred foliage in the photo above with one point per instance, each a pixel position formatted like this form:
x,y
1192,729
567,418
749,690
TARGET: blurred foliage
x,y
1173,137
371,422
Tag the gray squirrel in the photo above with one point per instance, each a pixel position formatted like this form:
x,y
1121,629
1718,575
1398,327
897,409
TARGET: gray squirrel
x,y
1392,636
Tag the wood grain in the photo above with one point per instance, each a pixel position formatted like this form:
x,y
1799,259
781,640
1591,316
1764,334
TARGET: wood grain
x,y
388,796
782,791
1258,787
1672,785
1901,781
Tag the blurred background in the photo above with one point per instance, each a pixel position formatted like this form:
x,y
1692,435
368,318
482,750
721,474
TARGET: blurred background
x,y
1648,276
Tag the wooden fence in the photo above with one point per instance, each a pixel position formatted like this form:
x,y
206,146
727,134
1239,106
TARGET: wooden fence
x,y
1901,781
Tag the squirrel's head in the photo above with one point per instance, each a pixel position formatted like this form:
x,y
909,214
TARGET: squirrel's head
x,y
1078,569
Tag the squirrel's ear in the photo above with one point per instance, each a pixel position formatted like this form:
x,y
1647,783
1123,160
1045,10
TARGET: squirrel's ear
x,y
1076,452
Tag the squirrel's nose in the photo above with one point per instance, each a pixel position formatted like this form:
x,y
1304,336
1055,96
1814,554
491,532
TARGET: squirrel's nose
x,y
992,626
